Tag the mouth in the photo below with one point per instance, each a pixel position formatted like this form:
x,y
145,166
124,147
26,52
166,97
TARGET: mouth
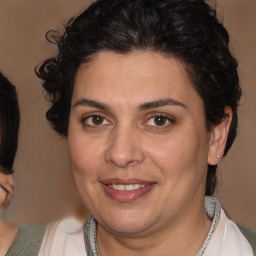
x,y
126,190
128,187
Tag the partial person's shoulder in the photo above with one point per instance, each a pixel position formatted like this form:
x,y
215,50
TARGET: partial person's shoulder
x,y
27,241
250,235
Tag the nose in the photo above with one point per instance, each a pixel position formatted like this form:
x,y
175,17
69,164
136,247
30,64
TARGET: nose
x,y
124,149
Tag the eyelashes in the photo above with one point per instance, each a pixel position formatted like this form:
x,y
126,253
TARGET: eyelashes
x,y
152,121
159,121
95,121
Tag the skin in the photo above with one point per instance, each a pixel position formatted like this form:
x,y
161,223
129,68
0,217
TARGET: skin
x,y
165,143
7,230
6,181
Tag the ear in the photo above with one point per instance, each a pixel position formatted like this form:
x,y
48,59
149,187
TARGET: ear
x,y
6,189
218,138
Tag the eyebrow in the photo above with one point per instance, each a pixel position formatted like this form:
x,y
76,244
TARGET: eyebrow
x,y
160,103
91,103
142,107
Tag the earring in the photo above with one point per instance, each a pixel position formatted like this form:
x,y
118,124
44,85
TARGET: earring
x,y
217,155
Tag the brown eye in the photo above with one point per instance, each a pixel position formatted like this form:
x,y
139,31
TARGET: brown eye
x,y
160,120
97,120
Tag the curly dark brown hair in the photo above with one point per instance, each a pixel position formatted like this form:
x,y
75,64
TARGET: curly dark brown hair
x,y
185,29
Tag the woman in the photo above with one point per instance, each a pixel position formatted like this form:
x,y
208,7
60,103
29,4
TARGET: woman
x,y
146,92
9,125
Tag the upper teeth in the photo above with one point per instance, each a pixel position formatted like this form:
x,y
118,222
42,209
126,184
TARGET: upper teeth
x,y
127,187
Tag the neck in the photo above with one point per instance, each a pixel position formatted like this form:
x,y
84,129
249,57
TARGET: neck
x,y
182,236
7,235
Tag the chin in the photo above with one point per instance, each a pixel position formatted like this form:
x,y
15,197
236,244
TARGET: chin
x,y
127,228
127,222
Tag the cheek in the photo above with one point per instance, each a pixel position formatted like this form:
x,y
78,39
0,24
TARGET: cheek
x,y
2,198
85,154
173,148
180,152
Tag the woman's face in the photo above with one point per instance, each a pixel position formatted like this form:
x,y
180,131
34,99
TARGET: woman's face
x,y
138,141
6,189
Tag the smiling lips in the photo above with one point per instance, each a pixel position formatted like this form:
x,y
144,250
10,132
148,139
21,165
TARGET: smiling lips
x,y
126,190
129,187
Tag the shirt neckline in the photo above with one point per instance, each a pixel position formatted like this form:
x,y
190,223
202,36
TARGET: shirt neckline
x,y
212,207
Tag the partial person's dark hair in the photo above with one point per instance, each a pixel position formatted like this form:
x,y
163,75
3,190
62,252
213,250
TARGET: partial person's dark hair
x,y
187,30
9,124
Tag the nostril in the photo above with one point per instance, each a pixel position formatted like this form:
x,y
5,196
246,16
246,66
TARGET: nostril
x,y
125,160
123,163
124,149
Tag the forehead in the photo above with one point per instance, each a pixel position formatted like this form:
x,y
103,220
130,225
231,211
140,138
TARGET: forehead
x,y
137,76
